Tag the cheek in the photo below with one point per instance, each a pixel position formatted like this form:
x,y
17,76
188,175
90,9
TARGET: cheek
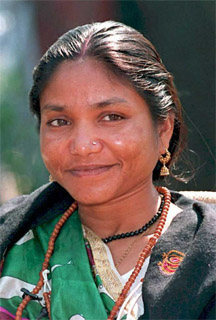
x,y
137,151
136,142
51,149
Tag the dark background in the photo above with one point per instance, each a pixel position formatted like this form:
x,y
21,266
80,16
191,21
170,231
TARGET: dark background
x,y
184,34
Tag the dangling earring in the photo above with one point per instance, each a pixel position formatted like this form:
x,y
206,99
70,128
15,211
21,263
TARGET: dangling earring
x,y
164,159
51,179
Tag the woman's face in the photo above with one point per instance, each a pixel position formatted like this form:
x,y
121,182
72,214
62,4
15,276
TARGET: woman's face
x,y
97,136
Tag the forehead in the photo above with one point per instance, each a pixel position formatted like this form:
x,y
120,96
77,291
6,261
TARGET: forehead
x,y
81,70
81,79
88,82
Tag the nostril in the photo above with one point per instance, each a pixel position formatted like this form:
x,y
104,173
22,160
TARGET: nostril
x,y
85,147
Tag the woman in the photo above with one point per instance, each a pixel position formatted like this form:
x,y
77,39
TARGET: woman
x,y
114,245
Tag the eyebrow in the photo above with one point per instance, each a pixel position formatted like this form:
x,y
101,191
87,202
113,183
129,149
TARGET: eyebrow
x,y
100,104
53,107
110,101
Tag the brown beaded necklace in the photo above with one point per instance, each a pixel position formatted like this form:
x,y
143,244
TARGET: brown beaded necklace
x,y
143,255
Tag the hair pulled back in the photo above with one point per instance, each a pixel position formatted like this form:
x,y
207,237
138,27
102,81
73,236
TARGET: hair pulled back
x,y
127,53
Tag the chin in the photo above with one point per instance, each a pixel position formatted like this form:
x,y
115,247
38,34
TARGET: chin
x,y
89,195
91,199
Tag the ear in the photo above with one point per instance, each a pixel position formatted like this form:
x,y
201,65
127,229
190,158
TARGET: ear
x,y
165,131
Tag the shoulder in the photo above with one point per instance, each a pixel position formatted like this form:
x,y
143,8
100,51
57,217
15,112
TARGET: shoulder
x,y
19,215
192,231
196,227
197,218
183,264
197,204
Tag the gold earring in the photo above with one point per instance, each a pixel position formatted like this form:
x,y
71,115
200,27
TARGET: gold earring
x,y
51,179
164,159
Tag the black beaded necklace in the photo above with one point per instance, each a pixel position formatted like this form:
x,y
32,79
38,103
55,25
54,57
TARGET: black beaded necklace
x,y
139,231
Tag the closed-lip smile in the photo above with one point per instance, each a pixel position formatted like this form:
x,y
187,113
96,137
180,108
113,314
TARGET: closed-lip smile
x,y
89,170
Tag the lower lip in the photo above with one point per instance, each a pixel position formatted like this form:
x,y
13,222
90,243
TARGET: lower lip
x,y
90,172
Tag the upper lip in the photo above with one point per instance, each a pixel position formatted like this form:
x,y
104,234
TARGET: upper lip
x,y
89,167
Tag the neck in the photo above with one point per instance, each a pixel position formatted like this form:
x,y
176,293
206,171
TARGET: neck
x,y
124,214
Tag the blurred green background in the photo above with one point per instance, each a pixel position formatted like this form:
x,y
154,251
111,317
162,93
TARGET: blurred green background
x,y
182,31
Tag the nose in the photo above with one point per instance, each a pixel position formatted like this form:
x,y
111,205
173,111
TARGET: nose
x,y
85,141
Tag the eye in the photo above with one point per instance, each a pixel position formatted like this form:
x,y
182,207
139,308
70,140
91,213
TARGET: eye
x,y
58,123
112,117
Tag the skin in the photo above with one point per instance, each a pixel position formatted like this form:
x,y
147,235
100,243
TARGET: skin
x,y
84,102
